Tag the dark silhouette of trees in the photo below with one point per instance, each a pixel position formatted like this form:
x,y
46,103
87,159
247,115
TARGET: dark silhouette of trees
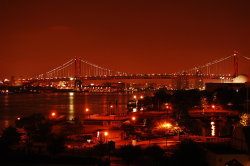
x,y
130,154
189,153
37,127
154,155
56,144
162,96
10,137
230,98
182,102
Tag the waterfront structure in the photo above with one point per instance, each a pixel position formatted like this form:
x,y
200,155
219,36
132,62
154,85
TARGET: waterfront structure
x,y
79,70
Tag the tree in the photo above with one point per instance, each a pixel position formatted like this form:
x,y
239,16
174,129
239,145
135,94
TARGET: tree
x,y
182,102
9,138
36,126
154,155
130,153
56,144
189,153
161,96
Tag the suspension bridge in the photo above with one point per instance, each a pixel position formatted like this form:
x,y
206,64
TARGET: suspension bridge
x,y
80,70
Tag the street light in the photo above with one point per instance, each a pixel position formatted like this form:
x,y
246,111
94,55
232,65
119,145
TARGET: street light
x,y
133,118
134,109
87,111
53,114
106,134
111,109
167,126
89,140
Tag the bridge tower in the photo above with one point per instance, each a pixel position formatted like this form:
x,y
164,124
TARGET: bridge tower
x,y
77,74
236,70
78,71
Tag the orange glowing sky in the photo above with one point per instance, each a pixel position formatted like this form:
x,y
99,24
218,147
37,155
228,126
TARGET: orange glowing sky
x,y
126,35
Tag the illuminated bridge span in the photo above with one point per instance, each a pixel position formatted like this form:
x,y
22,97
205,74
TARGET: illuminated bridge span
x,y
78,67
80,70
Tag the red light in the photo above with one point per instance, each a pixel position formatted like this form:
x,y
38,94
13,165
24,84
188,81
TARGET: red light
x,y
133,118
53,114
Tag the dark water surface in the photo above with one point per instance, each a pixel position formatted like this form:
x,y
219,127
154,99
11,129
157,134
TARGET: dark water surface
x,y
69,104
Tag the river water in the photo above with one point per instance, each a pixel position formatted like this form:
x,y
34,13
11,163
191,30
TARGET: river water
x,y
70,105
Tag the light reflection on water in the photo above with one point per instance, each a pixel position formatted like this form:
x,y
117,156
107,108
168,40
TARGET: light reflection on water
x,y
71,106
6,100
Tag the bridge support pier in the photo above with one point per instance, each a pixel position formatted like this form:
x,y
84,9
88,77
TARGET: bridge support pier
x,y
78,85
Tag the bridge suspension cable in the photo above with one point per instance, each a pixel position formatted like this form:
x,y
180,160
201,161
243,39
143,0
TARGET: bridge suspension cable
x,y
78,67
206,68
100,71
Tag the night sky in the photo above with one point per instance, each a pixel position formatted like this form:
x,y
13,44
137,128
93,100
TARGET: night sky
x,y
126,35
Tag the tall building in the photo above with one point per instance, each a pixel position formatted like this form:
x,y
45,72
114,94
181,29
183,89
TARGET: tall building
x,y
182,82
198,83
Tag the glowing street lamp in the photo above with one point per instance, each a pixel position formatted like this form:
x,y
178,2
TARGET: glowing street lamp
x,y
133,118
141,97
134,109
53,114
167,125
89,141
87,111
105,135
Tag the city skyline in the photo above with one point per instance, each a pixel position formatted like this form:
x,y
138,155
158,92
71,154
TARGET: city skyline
x,y
132,37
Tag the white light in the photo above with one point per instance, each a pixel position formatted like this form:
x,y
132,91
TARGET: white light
x,y
134,110
212,128
89,140
71,93
71,79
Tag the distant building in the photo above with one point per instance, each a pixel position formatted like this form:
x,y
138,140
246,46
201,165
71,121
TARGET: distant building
x,y
210,87
182,82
